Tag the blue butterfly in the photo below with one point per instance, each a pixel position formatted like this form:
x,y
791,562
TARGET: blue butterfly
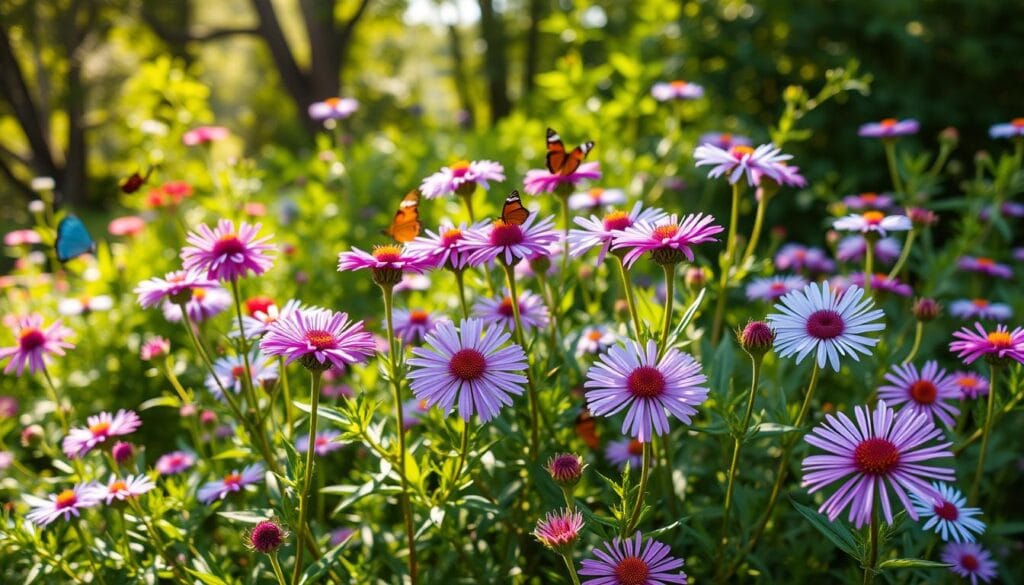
x,y
73,239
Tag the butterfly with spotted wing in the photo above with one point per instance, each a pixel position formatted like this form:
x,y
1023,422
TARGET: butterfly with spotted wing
x,y
406,224
513,211
561,162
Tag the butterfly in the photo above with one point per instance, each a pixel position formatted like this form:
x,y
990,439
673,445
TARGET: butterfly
x,y
73,239
135,181
513,211
406,224
586,428
559,161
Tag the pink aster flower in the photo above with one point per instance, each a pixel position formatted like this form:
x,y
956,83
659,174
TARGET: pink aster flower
x,y
880,282
35,344
724,140
773,287
460,176
173,286
624,451
889,128
633,378
230,373
446,247
390,259
102,427
852,248
980,309
559,530
232,482
204,134
510,242
539,181
999,345
412,326
120,489
602,231
323,444
67,504
926,391
595,339
174,462
799,258
633,561
971,385
873,221
129,225
333,109
742,160
1013,129
948,515
983,265
665,91
470,364
868,201
319,339
203,304
532,311
969,560
668,240
596,198
22,238
257,324
154,347
882,452
226,254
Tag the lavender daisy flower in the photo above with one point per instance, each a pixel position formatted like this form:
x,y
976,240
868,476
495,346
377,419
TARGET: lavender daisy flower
x,y
1012,209
539,181
203,304
470,365
788,176
596,198
559,530
633,561
174,286
1013,129
67,504
868,201
230,372
999,345
742,160
829,324
889,128
946,513
83,305
333,109
676,90
174,462
413,412
102,427
1018,254
881,452
601,231
461,176
226,254
446,247
882,283
773,287
969,560
120,489
852,248
257,324
324,443
724,140
668,241
798,258
318,339
980,309
232,482
510,242
532,311
35,344
595,339
413,326
971,385
624,451
633,378
873,221
924,392
985,266
389,258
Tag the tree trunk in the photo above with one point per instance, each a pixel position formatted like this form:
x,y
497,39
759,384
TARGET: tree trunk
x,y
295,81
495,63
325,68
459,75
532,46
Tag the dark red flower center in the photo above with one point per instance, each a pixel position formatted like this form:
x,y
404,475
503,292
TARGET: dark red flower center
x,y
985,262
876,456
266,536
616,220
825,324
947,511
237,371
646,382
506,234
889,122
980,303
970,562
632,571
635,447
31,339
923,392
1017,122
228,245
258,304
99,429
505,308
65,499
233,480
320,339
321,442
467,364
663,232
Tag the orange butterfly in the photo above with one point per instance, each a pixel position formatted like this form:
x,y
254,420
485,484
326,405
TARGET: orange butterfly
x,y
586,428
513,211
560,162
406,224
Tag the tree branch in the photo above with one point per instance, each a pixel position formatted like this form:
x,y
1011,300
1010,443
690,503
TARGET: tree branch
x,y
20,185
15,90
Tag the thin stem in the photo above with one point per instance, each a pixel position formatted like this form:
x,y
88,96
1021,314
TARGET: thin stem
x,y
645,472
572,569
1006,409
158,538
244,346
553,328
904,254
918,334
737,445
869,264
277,568
869,568
510,275
468,200
87,547
670,296
627,287
457,472
459,279
52,389
563,199
173,379
286,389
890,158
986,430
726,264
755,234
307,471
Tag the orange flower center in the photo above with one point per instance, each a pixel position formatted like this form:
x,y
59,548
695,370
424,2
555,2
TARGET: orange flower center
x,y
980,303
505,308
423,404
596,193
66,498
198,294
117,486
595,335
923,392
233,479
876,456
237,371
663,232
741,150
99,428
459,168
387,253
873,217
320,339
679,84
986,262
778,287
451,236
1000,339
1017,122
869,197
635,447
616,220
967,382
889,122
419,317
725,138
632,571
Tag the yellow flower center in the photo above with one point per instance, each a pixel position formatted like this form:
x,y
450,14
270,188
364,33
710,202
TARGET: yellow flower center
x,y
117,486
99,428
741,150
873,217
387,253
1000,339
66,498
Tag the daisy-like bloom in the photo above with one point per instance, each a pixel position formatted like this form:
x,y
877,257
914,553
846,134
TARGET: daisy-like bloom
x,y
83,305
595,339
889,128
668,240
508,241
969,561
230,372
971,385
773,287
1000,345
387,263
174,462
462,177
533,313
260,318
35,344
798,258
1013,129
470,365
559,530
333,109
102,427
633,561
232,482
203,304
789,176
322,445
980,309
596,198
412,326
742,160
829,324
868,201
67,504
946,513
852,248
174,286
623,451
724,140
880,282
204,134
226,254
319,339
539,181
882,452
601,231
665,91
413,412
873,221
120,489
632,378
983,265
130,225
926,391
444,248
1012,209
22,238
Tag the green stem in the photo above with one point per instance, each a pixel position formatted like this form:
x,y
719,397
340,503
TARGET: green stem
x,y
307,471
1006,409
52,390
737,446
457,473
755,234
986,430
890,158
563,199
87,547
173,379
553,328
243,344
627,287
468,200
572,569
869,567
277,569
459,279
869,264
918,334
904,254
286,389
726,264
158,540
510,276
670,296
645,472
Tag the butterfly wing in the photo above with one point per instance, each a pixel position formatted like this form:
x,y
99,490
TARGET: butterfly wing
x,y
575,158
73,239
513,211
586,428
406,224
556,152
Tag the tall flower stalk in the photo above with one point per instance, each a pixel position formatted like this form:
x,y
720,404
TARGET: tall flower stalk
x,y
726,264
316,376
510,277
986,430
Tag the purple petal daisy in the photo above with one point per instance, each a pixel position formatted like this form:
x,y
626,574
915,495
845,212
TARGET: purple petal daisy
x,y
120,489
204,303
510,242
1012,129
601,231
596,198
413,412
389,257
67,504
461,175
665,91
889,128
470,365
925,392
623,451
446,247
868,201
980,309
559,530
319,339
230,372
232,482
174,462
740,160
773,287
873,221
595,339
882,451
532,311
946,513
35,344
880,282
226,254
257,324
971,385
852,248
969,560
413,326
171,286
323,444
724,140
333,109
1000,345
986,266
798,258
633,561
102,427
539,181
668,240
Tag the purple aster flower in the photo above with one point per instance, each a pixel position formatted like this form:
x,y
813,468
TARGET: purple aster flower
x,y
983,265
470,365
889,128
851,249
387,258
318,339
969,560
1012,209
595,339
559,530
102,427
510,242
948,515
602,231
740,160
668,240
926,391
205,303
413,326
773,287
323,444
230,372
226,254
174,286
67,504
632,378
539,181
532,311
1013,129
882,452
971,385
446,247
461,176
724,140
174,462
998,345
974,309
257,324
120,489
633,561
798,258
881,282
623,451
413,412
665,91
868,201
154,347
873,221
333,109
596,198
232,482
819,320
788,176
35,344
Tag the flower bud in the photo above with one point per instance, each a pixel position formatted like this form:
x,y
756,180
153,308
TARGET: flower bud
x,y
695,278
154,347
926,309
756,338
921,217
559,530
31,436
949,137
266,537
122,452
566,469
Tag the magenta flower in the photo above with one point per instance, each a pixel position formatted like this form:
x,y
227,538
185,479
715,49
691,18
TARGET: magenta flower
x,y
868,201
388,257
333,109
102,427
623,451
319,339
129,225
633,561
35,344
67,504
204,134
881,452
873,221
539,181
470,365
174,462
461,176
532,311
510,242
413,326
948,515
633,378
120,489
881,282
1013,129
985,266
999,345
676,90
668,240
973,309
203,304
232,482
724,140
257,324
773,287
22,238
969,560
446,247
852,248
174,286
741,160
559,530
797,258
923,392
323,444
596,198
889,128
226,254
154,347
971,385
602,231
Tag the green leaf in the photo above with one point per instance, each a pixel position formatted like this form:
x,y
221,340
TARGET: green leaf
x,y
168,401
912,564
245,517
232,454
314,571
206,578
836,532
327,412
